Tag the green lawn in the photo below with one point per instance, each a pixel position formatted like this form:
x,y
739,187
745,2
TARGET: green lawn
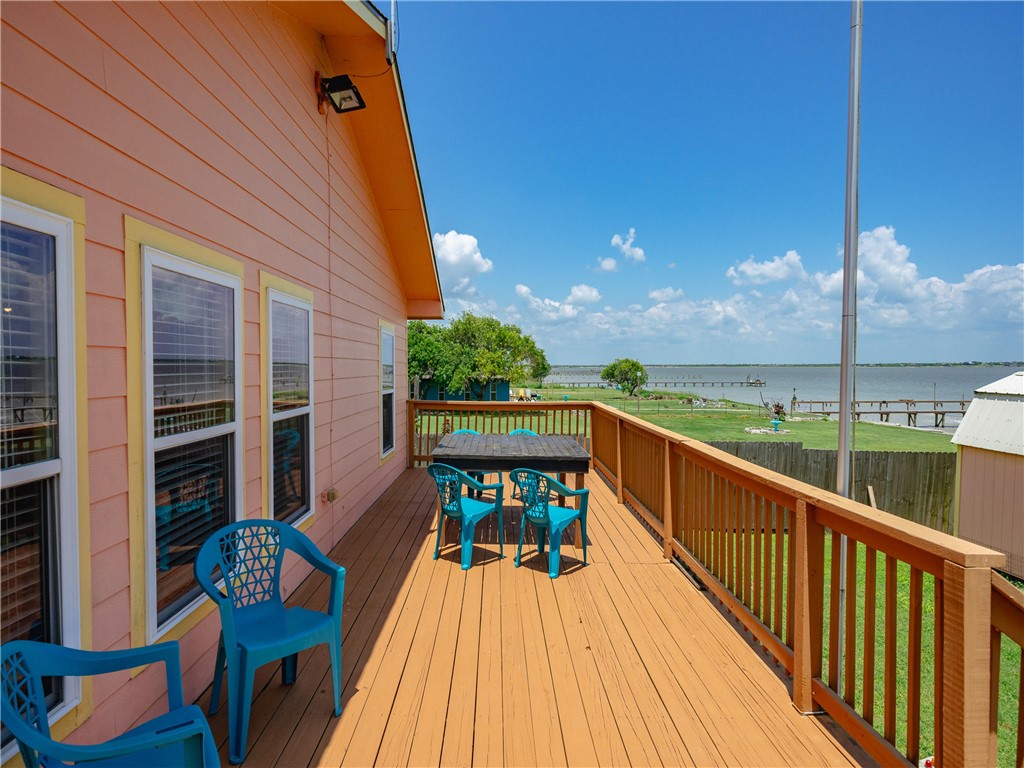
x,y
728,419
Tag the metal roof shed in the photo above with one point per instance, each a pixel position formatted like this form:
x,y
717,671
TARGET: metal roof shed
x,y
990,470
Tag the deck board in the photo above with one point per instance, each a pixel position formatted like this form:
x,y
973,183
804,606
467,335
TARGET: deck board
x,y
621,662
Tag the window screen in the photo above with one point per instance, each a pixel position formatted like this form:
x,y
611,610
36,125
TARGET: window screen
x,y
193,353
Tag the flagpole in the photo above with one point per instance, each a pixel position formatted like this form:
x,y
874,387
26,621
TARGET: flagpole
x,y
849,329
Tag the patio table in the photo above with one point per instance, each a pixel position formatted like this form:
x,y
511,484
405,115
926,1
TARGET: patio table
x,y
503,453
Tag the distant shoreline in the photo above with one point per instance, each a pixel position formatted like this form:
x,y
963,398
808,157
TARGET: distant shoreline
x,y
971,364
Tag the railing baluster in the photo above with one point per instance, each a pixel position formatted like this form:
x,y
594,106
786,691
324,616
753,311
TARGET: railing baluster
x,y
850,636
833,617
870,598
995,653
938,661
790,572
758,514
914,668
890,650
778,542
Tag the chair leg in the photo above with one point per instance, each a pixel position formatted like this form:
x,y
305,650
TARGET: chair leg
x,y
541,532
554,551
583,533
218,677
289,669
335,648
240,713
501,535
467,544
440,527
522,531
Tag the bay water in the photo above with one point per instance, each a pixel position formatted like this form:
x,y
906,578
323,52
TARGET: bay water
x,y
948,383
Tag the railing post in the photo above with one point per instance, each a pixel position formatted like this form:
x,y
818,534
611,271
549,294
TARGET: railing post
x,y
618,460
808,596
967,622
666,515
410,432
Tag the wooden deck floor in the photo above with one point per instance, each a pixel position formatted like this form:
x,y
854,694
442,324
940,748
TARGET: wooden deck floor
x,y
622,662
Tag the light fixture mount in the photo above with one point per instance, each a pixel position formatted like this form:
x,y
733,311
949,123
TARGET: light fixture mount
x,y
338,91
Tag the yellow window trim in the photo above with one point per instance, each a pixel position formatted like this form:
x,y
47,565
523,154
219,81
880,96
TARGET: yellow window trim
x,y
47,197
136,235
268,282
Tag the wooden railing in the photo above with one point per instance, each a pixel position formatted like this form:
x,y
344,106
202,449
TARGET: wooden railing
x,y
923,618
430,420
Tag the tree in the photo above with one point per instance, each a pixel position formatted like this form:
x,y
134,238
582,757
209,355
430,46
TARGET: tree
x,y
627,373
471,351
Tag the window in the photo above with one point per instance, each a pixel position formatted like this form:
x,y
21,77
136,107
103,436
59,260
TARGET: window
x,y
38,482
387,389
291,406
494,389
192,389
442,393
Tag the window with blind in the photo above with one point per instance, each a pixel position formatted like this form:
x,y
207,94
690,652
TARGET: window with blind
x,y
387,389
38,524
291,406
193,377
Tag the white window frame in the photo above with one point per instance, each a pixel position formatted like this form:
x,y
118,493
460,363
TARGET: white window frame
x,y
387,331
153,257
283,298
64,467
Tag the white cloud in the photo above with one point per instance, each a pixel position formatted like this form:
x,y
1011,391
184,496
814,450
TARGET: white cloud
x,y
671,265
788,267
607,264
625,245
458,261
666,294
902,314
583,294
545,309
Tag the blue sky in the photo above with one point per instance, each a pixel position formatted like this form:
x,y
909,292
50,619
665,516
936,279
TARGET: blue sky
x,y
666,180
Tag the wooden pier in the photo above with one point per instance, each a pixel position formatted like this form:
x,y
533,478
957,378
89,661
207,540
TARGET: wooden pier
x,y
663,383
885,409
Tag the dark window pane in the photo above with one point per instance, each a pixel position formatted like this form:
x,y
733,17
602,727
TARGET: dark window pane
x,y
290,356
29,575
388,421
28,338
193,353
193,499
291,467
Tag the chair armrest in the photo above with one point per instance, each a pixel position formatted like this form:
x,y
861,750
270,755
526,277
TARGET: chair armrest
x,y
476,485
563,490
117,747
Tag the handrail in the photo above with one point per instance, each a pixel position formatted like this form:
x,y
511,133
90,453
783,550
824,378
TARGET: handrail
x,y
765,545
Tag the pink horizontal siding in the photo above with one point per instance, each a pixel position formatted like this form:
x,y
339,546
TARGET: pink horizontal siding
x,y
201,119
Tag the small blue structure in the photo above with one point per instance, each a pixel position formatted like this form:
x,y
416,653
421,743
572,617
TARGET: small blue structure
x,y
496,390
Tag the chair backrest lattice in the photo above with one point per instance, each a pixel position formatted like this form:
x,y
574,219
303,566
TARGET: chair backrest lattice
x,y
535,492
449,488
24,692
250,557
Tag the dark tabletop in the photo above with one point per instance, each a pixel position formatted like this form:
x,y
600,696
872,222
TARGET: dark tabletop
x,y
544,453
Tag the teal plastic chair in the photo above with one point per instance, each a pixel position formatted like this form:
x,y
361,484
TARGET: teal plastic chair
x,y
523,432
478,476
466,510
536,490
256,627
179,737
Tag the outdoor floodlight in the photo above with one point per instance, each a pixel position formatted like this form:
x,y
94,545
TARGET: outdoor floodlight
x,y
340,92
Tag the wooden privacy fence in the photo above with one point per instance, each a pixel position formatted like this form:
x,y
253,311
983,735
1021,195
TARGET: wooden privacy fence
x,y
914,485
924,619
